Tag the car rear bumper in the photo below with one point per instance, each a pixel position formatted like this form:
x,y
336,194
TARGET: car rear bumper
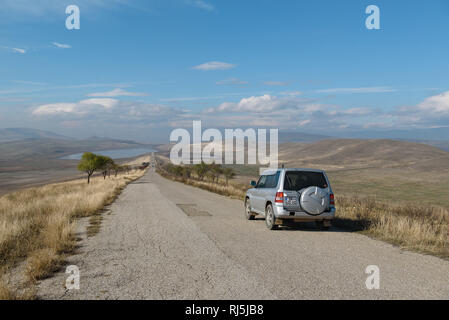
x,y
283,214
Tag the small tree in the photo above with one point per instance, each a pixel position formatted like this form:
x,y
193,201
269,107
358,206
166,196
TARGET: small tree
x,y
228,174
187,172
116,168
216,170
125,168
105,164
89,163
201,170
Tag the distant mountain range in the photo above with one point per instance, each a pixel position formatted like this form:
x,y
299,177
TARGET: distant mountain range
x,y
285,136
438,137
25,144
14,134
430,134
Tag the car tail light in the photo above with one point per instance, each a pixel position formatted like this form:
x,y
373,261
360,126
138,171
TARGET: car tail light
x,y
279,197
332,198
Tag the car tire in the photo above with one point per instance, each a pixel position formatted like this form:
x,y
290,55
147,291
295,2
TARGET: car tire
x,y
270,218
320,225
248,214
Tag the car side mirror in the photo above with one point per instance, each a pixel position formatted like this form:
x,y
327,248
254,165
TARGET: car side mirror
x,y
253,183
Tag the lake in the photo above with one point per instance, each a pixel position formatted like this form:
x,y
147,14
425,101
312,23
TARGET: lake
x,y
114,154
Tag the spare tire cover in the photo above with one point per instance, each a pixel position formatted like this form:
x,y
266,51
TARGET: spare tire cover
x,y
314,200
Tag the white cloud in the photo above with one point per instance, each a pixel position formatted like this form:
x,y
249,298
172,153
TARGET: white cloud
x,y
202,5
118,92
252,104
21,9
232,82
262,104
437,104
433,111
284,112
214,65
358,90
275,83
80,108
106,103
111,112
32,83
55,108
304,122
291,93
289,111
18,50
352,111
184,99
62,46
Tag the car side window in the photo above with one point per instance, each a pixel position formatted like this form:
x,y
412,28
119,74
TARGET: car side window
x,y
272,180
262,181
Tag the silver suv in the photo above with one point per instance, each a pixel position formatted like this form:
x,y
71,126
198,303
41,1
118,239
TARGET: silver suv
x,y
284,195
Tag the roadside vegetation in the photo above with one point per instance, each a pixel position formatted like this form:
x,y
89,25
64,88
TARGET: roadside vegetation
x,y
411,226
37,225
90,163
212,177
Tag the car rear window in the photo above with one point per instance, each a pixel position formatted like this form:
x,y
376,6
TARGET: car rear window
x,y
297,180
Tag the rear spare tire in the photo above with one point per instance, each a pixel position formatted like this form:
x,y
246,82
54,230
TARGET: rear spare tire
x,y
314,200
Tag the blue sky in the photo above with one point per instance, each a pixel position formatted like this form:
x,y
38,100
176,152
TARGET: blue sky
x,y
138,69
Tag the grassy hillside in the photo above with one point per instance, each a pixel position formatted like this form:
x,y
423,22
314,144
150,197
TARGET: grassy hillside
x,y
355,153
397,172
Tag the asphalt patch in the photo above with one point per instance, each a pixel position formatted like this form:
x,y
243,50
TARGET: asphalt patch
x,y
191,210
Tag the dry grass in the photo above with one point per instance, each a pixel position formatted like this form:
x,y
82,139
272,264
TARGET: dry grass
x,y
423,229
42,263
94,225
6,293
37,225
419,228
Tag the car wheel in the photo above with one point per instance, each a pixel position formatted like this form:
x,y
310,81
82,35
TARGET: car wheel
x,y
320,225
248,214
270,219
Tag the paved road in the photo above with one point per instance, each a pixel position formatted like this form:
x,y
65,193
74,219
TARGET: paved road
x,y
166,240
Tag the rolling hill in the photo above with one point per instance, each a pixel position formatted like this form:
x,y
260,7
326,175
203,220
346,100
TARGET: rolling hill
x,y
44,148
357,153
14,134
395,171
